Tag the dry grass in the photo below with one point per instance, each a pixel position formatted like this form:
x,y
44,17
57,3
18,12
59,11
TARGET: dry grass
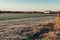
x,y
26,32
40,31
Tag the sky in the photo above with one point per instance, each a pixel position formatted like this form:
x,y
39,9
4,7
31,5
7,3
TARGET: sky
x,y
29,5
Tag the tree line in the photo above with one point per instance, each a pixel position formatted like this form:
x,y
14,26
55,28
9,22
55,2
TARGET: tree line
x,y
31,12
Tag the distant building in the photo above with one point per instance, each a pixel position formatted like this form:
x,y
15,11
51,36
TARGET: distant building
x,y
46,11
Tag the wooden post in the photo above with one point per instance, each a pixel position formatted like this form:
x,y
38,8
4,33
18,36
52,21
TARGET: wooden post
x,y
57,26
57,22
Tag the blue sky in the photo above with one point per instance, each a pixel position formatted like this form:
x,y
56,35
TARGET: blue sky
x,y
29,5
